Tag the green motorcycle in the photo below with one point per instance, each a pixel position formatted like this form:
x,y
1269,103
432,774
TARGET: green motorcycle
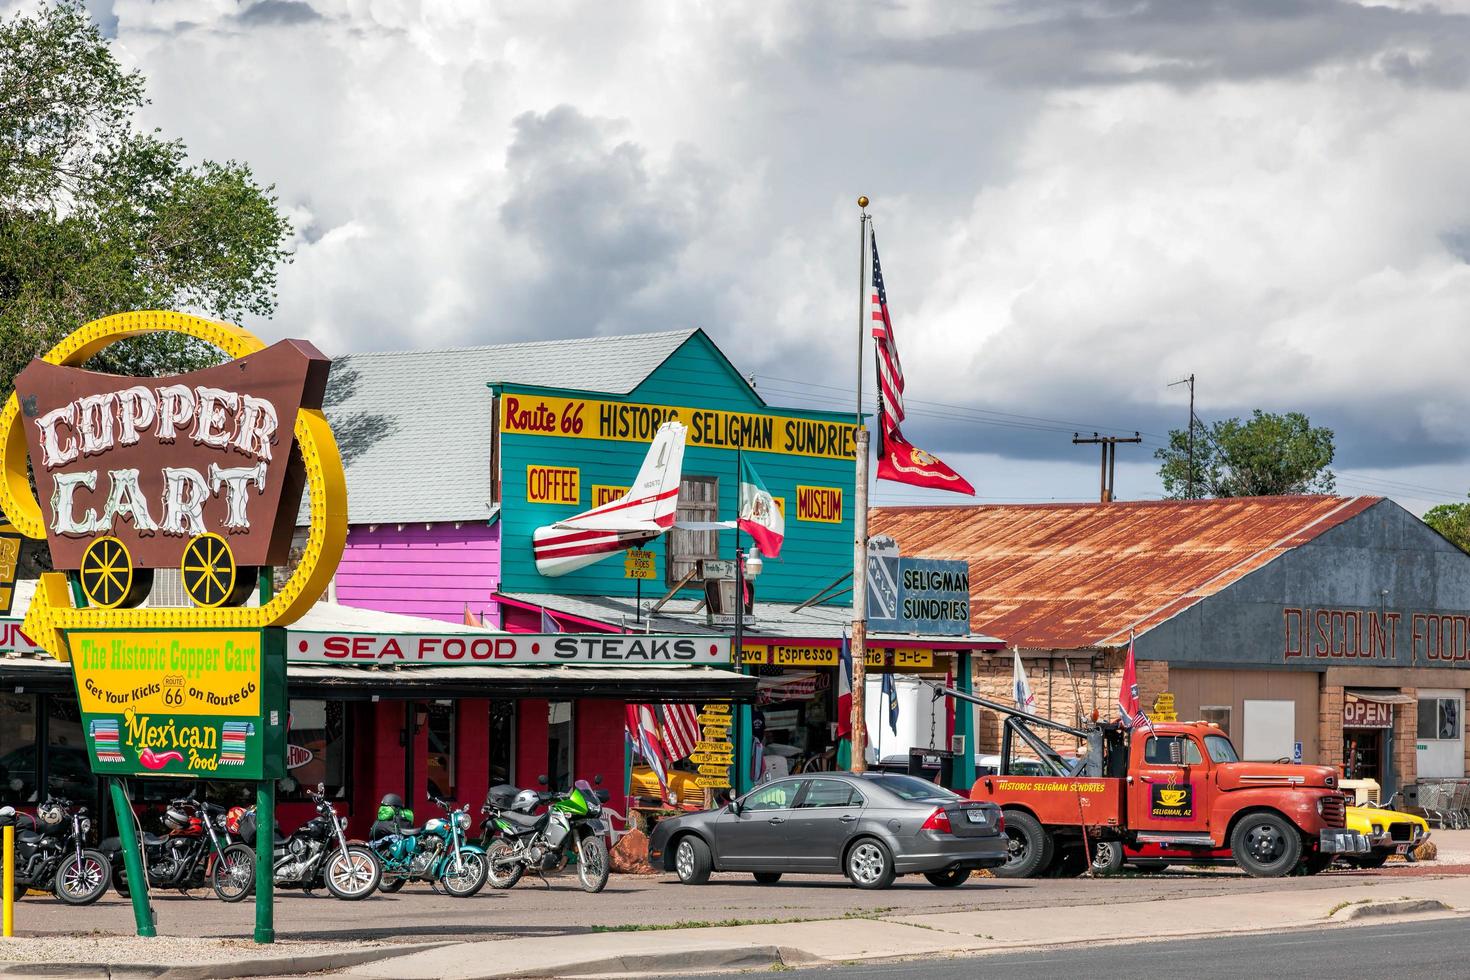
x,y
517,840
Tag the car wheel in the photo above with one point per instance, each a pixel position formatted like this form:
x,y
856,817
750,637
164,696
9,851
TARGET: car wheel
x,y
1030,848
1107,857
869,865
953,878
767,877
692,862
1265,845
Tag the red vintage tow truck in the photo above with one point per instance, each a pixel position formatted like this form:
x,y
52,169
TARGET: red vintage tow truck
x,y
1178,785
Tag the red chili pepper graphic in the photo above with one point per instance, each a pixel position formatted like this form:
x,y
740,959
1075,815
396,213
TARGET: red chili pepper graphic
x,y
153,760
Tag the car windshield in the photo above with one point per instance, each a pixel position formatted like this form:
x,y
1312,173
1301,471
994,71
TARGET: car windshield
x,y
1220,749
913,788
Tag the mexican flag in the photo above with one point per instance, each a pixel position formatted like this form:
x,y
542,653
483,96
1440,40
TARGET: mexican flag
x,y
759,516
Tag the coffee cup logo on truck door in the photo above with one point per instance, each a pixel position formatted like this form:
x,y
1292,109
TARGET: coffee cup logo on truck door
x,y
1171,802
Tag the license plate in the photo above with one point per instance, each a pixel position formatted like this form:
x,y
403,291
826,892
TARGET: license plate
x,y
975,816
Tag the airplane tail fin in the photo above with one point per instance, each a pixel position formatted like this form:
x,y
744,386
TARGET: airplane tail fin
x,y
660,473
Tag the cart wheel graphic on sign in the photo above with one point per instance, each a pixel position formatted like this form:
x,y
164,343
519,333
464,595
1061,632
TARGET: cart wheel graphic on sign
x,y
210,576
108,577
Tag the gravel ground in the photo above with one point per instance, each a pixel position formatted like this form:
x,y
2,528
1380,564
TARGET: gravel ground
x,y
173,950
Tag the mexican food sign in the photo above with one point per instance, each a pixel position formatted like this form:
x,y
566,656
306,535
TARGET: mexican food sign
x,y
203,473
209,703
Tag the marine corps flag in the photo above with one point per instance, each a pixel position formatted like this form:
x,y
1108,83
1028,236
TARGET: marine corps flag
x,y
899,461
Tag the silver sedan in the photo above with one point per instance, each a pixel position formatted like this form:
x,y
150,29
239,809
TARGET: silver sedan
x,y
871,827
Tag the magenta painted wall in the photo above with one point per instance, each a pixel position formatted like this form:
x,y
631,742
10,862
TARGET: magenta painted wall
x,y
418,570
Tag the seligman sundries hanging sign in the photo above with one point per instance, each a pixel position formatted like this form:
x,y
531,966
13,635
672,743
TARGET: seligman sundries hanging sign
x,y
202,472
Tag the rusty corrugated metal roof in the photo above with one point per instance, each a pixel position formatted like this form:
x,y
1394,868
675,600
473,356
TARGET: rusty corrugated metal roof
x,y
1072,576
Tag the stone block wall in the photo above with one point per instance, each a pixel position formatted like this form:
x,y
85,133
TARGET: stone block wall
x,y
1329,728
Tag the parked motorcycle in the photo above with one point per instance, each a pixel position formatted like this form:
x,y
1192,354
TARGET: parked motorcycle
x,y
317,853
437,853
519,841
185,857
50,852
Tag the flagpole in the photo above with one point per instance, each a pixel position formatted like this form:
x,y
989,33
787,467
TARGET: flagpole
x,y
859,645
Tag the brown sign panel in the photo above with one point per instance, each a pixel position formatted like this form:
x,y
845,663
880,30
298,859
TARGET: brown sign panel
x,y
156,462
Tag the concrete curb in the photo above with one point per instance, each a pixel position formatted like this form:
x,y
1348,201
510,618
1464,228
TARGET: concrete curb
x,y
744,958
223,970
1371,910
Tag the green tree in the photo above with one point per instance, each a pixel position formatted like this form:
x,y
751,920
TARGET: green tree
x,y
1453,521
99,217
1265,455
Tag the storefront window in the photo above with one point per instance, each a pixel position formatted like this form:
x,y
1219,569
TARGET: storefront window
x,y
18,748
68,772
559,746
699,500
441,749
317,749
502,742
1439,718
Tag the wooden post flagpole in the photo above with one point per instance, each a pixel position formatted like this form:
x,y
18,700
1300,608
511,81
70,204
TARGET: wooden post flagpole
x,y
859,646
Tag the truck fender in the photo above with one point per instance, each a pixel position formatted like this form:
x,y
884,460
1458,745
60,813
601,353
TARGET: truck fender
x,y
1244,812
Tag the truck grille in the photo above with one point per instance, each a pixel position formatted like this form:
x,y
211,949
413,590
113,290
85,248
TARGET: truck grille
x,y
1334,810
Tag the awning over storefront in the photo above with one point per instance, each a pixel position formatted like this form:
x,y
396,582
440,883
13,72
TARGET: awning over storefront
x,y
1379,697
676,684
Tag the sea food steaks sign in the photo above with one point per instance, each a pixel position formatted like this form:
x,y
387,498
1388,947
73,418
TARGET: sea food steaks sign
x,y
607,650
203,472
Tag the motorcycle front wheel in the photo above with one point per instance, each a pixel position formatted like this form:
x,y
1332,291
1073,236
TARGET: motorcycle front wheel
x,y
592,864
81,880
233,876
469,878
353,874
502,868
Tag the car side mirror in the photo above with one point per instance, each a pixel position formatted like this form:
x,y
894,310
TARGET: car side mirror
x,y
733,807
1176,751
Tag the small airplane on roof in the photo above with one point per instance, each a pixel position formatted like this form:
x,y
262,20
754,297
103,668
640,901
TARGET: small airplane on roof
x,y
639,516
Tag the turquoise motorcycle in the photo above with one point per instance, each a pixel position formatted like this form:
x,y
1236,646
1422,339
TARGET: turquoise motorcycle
x,y
436,853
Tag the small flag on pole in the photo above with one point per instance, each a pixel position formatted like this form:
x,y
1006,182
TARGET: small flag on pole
x,y
844,689
1129,712
1021,687
890,691
549,623
759,516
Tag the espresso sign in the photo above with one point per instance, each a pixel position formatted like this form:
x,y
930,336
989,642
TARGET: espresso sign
x,y
157,463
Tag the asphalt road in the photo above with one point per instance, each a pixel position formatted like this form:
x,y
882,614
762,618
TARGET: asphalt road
x,y
1431,950
535,909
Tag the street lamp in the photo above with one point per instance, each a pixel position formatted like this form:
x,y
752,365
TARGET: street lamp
x,y
744,568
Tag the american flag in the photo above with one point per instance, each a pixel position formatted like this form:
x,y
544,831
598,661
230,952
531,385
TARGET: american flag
x,y
899,460
890,370
681,730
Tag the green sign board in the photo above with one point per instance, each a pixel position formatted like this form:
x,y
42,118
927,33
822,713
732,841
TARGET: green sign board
x,y
197,703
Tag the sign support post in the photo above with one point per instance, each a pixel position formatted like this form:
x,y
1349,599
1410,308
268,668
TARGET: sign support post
x,y
127,832
265,832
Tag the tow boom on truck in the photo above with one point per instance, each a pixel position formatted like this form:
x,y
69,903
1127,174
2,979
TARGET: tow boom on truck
x,y
1179,784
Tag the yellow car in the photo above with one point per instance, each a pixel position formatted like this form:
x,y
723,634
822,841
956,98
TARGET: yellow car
x,y
1389,831
681,784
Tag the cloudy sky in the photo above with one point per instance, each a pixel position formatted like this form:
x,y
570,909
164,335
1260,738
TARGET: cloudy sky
x,y
1076,202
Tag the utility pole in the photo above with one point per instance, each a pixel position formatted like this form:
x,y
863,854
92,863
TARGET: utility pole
x,y
1189,381
1109,446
